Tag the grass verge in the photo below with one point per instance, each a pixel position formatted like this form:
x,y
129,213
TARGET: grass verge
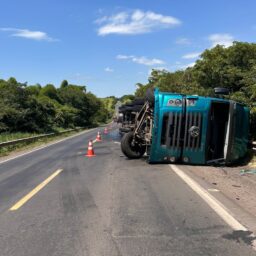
x,y
5,151
15,136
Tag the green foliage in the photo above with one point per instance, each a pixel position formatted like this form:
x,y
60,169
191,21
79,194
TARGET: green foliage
x,y
127,98
49,91
40,109
33,89
65,116
233,67
109,104
33,108
64,83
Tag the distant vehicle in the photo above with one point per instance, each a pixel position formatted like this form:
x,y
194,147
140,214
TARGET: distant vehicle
x,y
188,129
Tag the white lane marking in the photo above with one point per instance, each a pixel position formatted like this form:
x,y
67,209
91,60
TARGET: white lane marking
x,y
213,190
48,145
218,207
215,204
117,142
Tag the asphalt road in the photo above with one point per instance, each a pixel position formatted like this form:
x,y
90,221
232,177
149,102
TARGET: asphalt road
x,y
105,205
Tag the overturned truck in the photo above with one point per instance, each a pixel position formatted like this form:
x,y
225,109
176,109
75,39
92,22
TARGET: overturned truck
x,y
188,129
129,113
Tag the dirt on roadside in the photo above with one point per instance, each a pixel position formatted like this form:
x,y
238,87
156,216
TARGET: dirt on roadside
x,y
233,182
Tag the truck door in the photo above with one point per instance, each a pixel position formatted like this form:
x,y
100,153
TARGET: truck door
x,y
219,128
236,144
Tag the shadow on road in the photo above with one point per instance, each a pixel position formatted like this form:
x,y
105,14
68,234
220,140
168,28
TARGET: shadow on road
x,y
241,236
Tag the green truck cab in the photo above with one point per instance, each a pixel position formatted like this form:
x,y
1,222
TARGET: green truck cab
x,y
189,129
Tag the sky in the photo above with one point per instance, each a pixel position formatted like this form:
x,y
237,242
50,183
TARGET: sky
x,y
109,46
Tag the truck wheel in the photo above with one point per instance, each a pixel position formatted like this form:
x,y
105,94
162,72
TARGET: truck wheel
x,y
133,152
150,96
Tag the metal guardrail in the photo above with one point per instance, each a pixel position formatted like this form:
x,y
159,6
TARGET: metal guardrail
x,y
34,138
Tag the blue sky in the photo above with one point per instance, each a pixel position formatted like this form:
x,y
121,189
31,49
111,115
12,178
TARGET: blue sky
x,y
109,46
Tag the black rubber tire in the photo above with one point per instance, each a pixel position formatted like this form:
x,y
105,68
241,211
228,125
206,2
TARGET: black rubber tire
x,y
130,151
124,129
221,91
150,96
139,101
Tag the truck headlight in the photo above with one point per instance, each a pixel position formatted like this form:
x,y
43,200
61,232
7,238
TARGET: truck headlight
x,y
185,159
172,159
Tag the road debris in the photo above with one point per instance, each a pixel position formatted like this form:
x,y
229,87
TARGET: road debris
x,y
243,172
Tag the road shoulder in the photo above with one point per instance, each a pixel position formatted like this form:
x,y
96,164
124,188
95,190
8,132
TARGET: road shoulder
x,y
21,152
235,191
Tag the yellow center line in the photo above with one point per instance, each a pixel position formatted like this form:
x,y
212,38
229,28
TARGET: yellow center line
x,y
34,191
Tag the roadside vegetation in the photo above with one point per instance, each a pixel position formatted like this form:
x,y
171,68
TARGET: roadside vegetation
x,y
24,146
233,67
35,109
110,102
27,110
30,110
15,136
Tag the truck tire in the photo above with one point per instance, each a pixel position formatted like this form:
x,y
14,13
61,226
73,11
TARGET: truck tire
x,y
150,96
132,152
221,91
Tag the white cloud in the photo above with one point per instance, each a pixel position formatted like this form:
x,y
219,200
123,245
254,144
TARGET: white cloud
x,y
146,61
183,41
160,68
124,57
141,60
135,22
222,39
108,69
29,34
189,65
191,55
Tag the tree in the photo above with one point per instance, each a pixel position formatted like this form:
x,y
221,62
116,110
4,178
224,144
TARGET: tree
x,y
125,99
34,108
109,104
50,91
34,89
233,67
64,84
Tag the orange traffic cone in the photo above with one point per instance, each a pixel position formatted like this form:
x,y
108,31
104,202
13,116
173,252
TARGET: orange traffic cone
x,y
106,130
90,151
98,138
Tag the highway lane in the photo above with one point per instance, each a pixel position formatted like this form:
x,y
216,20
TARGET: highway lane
x,y
21,174
106,205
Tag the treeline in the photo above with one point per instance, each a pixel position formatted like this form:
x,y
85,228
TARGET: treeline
x,y
33,108
233,67
110,102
